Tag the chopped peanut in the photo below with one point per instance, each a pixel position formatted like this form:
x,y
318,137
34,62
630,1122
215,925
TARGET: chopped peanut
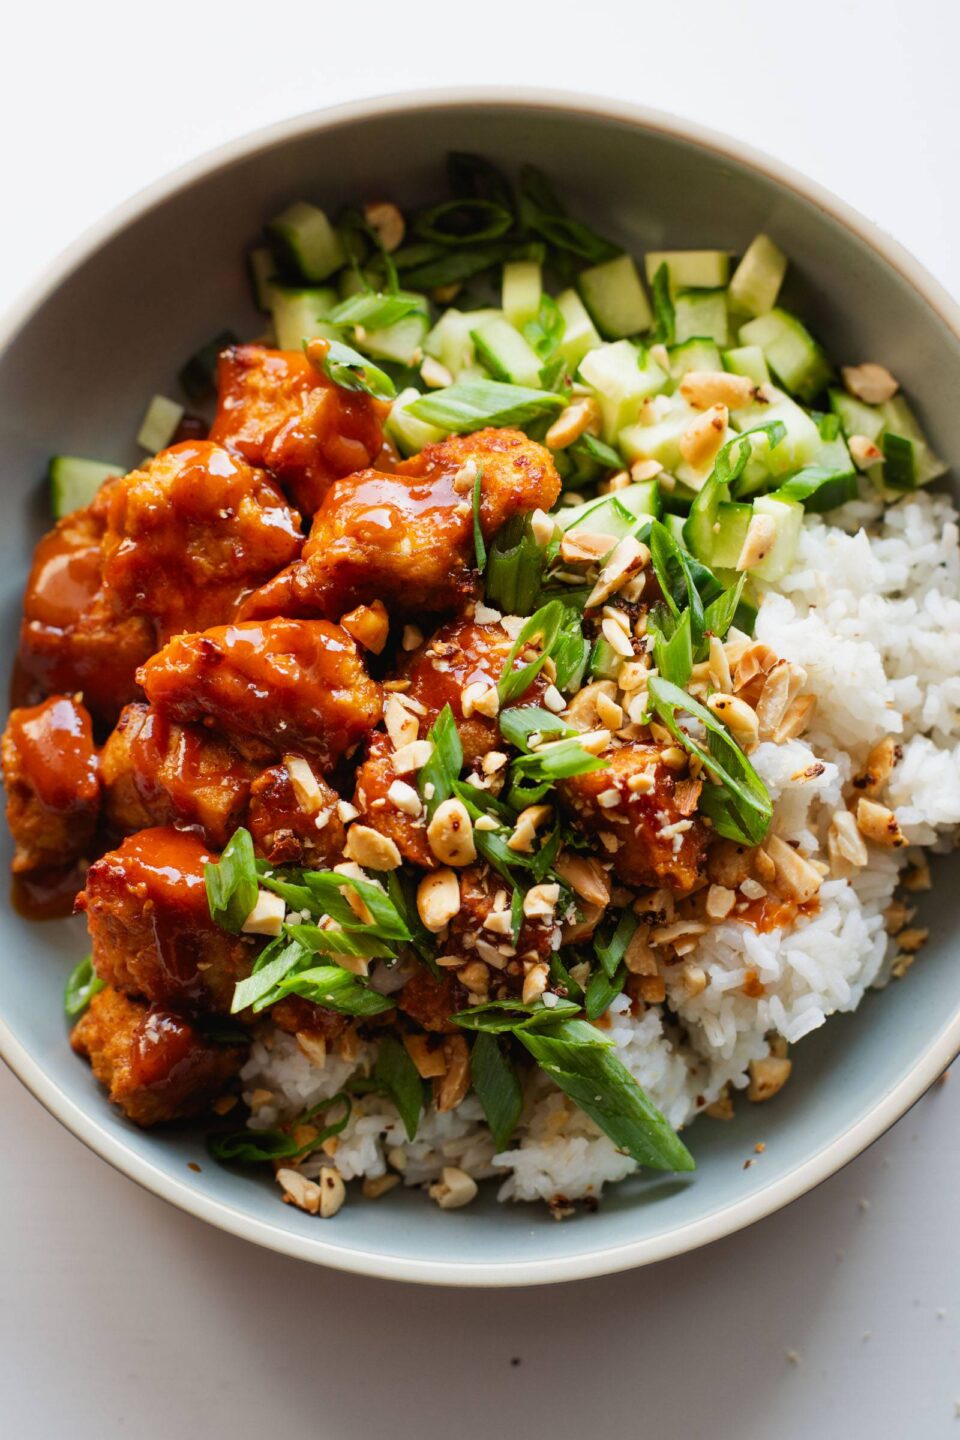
x,y
879,824
767,1077
450,834
873,384
438,899
703,438
371,850
703,388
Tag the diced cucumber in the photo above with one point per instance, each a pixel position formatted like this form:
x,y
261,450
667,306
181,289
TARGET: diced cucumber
x,y
263,276
800,445
450,340
402,341
689,269
605,663
159,424
74,482
642,499
306,243
747,360
701,314
300,315
615,298
757,279
730,531
675,524
623,378
605,515
661,440
899,469
696,354
791,352
522,288
899,419
506,354
787,516
409,434
580,335
856,417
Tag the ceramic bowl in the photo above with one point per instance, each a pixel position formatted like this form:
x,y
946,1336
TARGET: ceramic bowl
x,y
109,326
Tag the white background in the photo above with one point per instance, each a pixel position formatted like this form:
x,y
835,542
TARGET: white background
x,y
121,1317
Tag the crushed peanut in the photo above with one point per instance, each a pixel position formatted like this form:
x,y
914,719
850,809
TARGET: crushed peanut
x,y
438,899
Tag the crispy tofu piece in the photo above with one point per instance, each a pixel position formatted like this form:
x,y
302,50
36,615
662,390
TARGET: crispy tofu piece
x,y
155,1064
270,687
150,925
293,816
482,892
191,533
371,797
458,655
648,851
156,772
53,788
430,1000
74,635
283,415
406,538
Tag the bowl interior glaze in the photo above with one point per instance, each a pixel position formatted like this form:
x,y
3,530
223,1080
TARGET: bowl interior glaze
x,y
111,326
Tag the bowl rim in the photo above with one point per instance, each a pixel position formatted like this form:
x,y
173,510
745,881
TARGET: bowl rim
x,y
609,1259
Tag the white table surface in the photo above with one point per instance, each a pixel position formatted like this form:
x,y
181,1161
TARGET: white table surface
x,y
121,1317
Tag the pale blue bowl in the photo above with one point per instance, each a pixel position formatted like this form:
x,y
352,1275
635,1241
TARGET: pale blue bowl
x,y
109,326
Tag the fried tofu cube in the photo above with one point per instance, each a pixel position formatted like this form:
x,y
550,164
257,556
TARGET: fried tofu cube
x,y
271,687
53,788
293,816
155,1064
633,804
156,772
280,413
406,538
150,925
191,533
74,635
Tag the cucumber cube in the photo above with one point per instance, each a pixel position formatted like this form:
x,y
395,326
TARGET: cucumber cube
x,y
623,378
300,315
402,341
159,424
787,516
306,242
522,288
506,354
580,335
800,445
757,279
697,354
689,269
613,294
747,360
730,531
75,481
409,434
791,352
702,314
450,340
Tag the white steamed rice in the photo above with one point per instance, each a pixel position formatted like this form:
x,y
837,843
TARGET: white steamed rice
x,y
871,610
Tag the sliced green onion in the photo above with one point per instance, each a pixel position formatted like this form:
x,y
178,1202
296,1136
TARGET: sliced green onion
x,y
497,1087
231,883
436,779
398,1075
83,983
469,405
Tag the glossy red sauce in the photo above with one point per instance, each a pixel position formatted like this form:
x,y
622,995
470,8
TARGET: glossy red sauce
x,y
47,894
54,743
